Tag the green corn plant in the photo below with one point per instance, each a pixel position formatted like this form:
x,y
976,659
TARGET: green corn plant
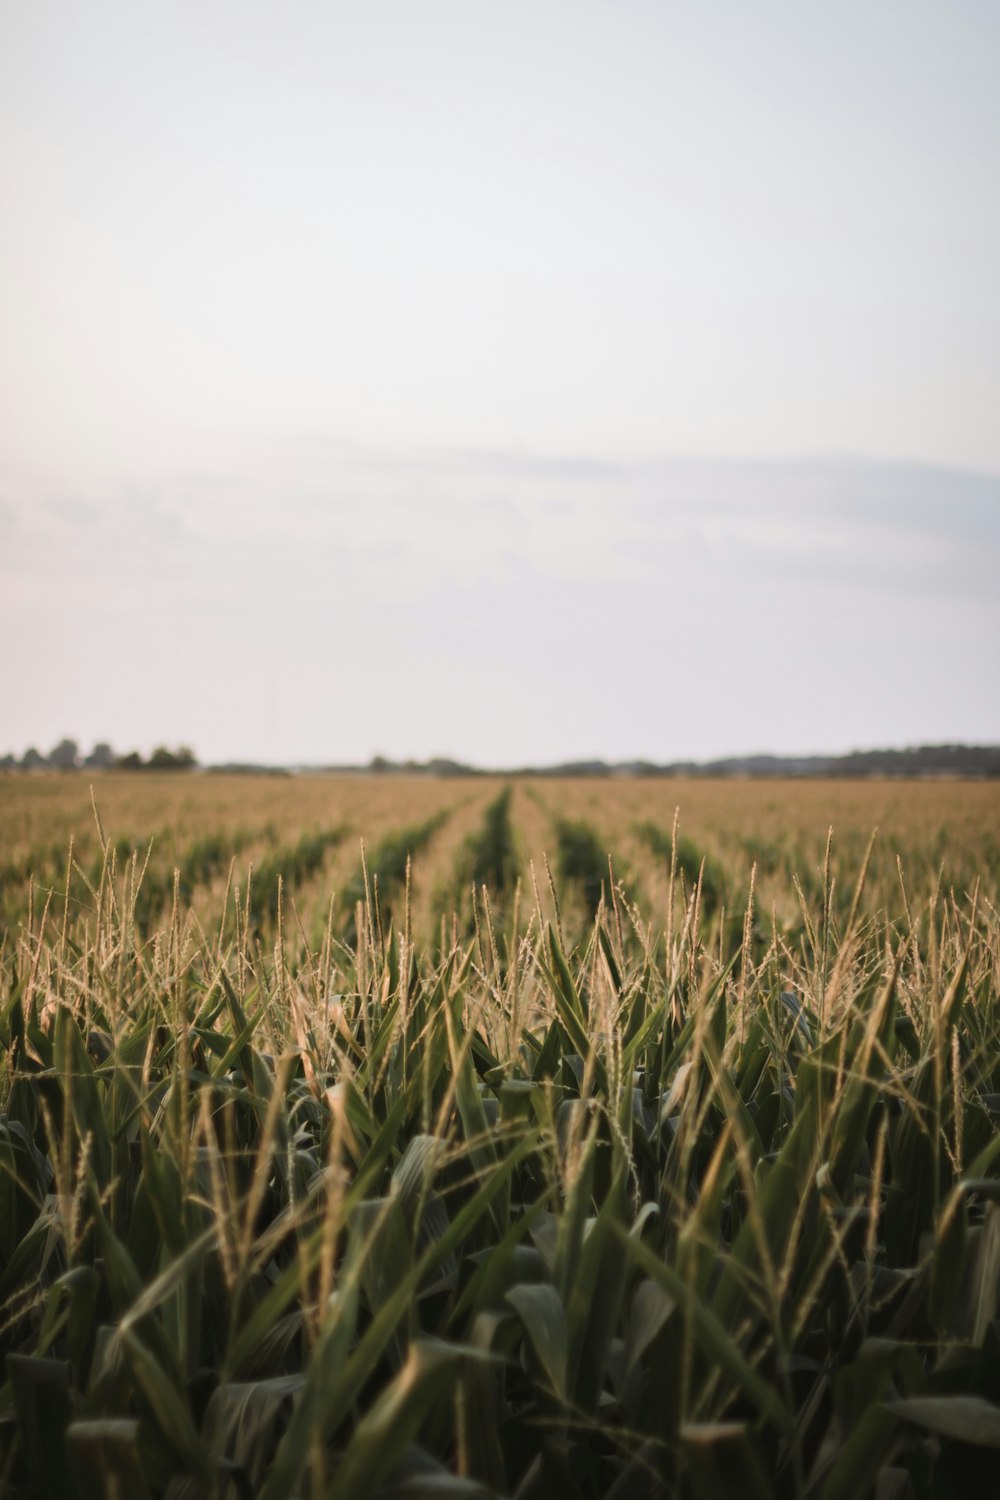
x,y
627,1214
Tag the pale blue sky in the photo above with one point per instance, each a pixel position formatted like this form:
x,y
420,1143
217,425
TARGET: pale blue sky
x,y
513,381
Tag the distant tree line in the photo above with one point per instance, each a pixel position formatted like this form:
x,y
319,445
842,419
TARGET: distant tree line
x,y
67,756
972,761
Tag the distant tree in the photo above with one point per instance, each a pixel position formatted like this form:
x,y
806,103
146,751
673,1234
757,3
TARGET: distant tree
x,y
133,761
31,760
8,763
163,759
65,756
101,758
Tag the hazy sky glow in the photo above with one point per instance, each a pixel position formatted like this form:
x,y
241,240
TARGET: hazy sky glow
x,y
511,381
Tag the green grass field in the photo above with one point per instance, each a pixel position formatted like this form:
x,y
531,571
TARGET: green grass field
x,y
555,1145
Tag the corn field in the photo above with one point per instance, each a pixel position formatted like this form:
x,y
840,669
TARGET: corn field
x,y
543,1144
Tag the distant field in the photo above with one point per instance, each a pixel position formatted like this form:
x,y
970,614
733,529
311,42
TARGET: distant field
x,y
309,829
671,1176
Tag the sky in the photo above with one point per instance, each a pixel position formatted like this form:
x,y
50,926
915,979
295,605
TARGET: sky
x,y
517,382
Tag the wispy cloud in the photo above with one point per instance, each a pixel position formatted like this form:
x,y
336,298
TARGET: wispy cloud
x,y
871,525
547,574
